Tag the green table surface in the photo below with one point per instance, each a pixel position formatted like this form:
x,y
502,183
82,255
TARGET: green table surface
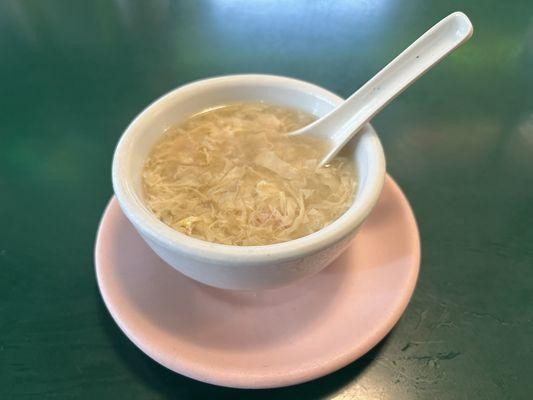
x,y
459,142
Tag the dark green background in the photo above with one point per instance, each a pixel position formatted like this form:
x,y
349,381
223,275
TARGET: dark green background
x,y
459,142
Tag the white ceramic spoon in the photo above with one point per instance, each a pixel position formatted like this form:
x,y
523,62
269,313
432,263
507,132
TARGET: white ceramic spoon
x,y
340,125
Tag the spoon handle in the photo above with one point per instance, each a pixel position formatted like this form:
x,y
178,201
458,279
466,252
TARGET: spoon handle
x,y
340,125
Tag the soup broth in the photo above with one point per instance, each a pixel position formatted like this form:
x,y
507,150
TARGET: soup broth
x,y
232,175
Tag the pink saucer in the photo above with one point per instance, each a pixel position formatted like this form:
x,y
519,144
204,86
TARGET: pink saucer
x,y
262,339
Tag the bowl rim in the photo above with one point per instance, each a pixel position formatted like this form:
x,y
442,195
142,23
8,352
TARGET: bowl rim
x,y
153,229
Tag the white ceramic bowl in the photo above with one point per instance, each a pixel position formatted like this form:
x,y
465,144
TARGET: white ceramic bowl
x,y
242,267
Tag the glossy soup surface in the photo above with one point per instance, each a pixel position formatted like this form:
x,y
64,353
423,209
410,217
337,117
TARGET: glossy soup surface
x,y
232,175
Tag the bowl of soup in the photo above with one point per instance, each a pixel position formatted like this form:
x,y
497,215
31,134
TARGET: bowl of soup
x,y
211,179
